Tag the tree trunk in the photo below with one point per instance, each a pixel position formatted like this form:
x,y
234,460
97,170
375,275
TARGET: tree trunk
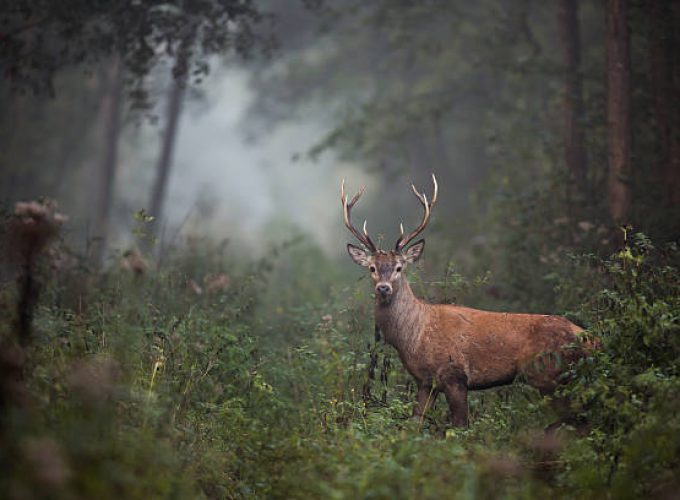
x,y
168,145
664,45
72,143
111,111
673,165
181,77
618,111
573,93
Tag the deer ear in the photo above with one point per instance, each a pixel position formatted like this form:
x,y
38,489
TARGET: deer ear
x,y
358,255
414,252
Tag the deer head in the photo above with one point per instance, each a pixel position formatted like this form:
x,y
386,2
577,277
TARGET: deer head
x,y
386,267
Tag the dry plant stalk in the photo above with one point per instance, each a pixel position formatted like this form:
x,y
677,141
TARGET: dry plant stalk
x,y
32,227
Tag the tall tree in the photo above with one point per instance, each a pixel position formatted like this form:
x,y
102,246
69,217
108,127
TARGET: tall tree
x,y
673,165
111,110
618,110
573,92
664,44
164,164
39,38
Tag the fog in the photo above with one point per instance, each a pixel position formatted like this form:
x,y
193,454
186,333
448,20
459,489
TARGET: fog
x,y
227,182
391,101
240,168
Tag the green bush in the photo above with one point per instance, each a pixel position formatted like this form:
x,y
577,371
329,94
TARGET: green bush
x,y
627,391
211,376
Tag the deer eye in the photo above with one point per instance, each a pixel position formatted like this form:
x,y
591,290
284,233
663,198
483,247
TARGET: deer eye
x,y
372,269
398,269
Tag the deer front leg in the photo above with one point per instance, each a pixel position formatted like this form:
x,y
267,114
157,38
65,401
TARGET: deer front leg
x,y
426,397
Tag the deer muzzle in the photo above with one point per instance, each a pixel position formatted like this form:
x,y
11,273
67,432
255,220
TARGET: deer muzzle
x,y
383,290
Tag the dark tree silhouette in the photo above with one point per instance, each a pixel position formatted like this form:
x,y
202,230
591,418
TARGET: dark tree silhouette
x,y
573,92
39,38
618,110
111,117
664,44
180,72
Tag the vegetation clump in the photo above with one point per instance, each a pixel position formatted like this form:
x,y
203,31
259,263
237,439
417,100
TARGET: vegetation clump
x,y
143,387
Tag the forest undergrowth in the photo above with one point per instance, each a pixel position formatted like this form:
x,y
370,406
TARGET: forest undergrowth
x,y
212,376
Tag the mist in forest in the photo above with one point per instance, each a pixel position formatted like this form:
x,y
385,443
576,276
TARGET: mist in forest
x,y
241,162
251,143
227,182
178,315
227,179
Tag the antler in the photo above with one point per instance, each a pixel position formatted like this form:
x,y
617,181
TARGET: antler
x,y
405,240
346,208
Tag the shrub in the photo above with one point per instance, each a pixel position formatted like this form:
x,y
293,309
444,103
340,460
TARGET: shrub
x,y
628,390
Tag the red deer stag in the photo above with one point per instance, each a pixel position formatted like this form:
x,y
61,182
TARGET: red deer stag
x,y
451,348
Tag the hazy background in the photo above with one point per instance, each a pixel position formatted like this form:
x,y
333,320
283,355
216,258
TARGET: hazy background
x,y
247,186
195,329
505,101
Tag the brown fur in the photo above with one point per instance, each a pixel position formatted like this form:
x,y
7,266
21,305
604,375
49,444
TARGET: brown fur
x,y
453,349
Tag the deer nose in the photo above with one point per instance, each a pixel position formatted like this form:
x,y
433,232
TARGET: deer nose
x,y
383,289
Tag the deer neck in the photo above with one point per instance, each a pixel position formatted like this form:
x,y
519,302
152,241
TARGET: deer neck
x,y
403,319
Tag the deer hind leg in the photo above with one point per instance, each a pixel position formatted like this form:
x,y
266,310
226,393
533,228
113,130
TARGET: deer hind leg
x,y
455,389
547,381
426,397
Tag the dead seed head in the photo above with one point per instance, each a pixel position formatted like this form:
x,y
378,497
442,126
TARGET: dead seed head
x,y
134,261
326,323
60,259
216,283
32,227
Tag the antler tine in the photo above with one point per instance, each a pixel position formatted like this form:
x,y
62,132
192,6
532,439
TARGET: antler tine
x,y
347,208
436,191
427,207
